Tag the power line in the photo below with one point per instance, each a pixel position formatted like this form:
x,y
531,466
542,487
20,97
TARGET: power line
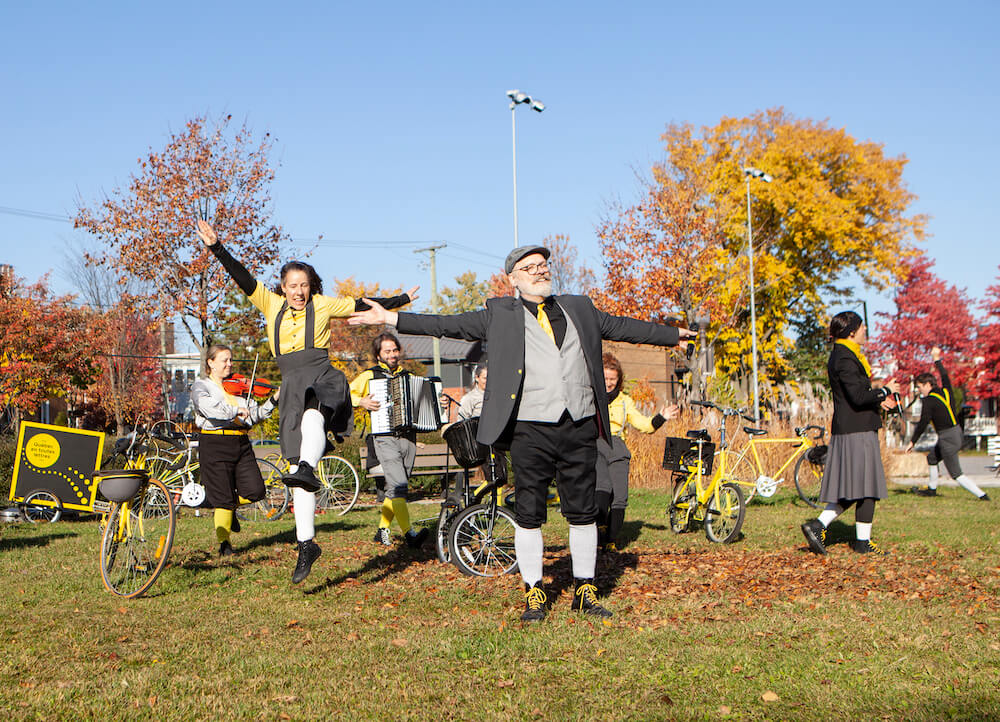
x,y
37,215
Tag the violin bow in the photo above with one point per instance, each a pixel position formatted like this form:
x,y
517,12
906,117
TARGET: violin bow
x,y
253,375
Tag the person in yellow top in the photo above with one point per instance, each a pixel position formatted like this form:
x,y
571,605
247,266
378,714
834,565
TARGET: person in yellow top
x,y
613,456
314,395
395,452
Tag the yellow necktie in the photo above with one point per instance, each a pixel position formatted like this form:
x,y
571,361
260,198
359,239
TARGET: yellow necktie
x,y
543,321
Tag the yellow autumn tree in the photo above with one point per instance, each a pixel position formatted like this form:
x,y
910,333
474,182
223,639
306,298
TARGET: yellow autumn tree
x,y
835,213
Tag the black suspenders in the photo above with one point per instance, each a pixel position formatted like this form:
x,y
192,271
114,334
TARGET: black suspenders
x,y
310,339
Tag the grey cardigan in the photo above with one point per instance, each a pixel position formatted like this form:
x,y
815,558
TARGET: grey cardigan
x,y
212,411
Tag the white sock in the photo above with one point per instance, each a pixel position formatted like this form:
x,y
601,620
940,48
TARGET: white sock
x,y
863,531
528,548
933,471
969,485
831,512
583,550
313,428
305,513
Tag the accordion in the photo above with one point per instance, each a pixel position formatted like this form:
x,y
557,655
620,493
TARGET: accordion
x,y
407,403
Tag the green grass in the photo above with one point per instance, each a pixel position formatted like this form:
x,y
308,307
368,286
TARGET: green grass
x,y
700,631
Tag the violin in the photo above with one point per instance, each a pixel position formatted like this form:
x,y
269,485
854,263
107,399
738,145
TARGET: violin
x,y
239,385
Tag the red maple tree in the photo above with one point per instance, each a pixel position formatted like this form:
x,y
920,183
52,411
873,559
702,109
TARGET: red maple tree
x,y
929,312
987,382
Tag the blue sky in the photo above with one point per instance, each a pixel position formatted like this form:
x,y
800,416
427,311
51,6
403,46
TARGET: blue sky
x,y
393,128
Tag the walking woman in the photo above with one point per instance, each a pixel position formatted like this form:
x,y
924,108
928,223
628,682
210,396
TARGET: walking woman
x,y
853,473
613,456
314,397
228,466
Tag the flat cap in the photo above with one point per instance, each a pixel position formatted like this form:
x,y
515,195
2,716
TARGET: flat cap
x,y
520,252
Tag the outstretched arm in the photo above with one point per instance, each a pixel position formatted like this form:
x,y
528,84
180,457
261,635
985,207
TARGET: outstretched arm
x,y
239,272
632,330
470,326
945,379
390,302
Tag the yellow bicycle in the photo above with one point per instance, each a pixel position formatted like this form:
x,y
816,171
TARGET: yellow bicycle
x,y
808,452
718,504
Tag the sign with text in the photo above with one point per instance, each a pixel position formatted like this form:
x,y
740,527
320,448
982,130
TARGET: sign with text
x,y
60,460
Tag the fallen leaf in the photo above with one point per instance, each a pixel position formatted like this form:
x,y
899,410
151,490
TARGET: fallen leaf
x,y
769,696
400,642
724,709
292,623
505,683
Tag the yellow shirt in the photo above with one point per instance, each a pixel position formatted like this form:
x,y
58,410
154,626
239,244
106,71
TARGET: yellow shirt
x,y
293,323
359,386
623,410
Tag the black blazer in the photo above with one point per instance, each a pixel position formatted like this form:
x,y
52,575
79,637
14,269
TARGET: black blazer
x,y
855,402
501,325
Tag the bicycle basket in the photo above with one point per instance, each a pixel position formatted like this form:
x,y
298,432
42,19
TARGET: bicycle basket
x,y
817,454
682,455
120,484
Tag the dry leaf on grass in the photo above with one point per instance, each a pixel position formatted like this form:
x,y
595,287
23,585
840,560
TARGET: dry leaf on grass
x,y
769,696
400,642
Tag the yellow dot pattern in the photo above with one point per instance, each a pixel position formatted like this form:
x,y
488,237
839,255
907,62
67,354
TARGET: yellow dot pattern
x,y
82,489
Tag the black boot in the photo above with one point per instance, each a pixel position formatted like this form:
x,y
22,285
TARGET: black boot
x,y
585,599
815,534
415,540
303,477
534,603
226,549
309,552
616,520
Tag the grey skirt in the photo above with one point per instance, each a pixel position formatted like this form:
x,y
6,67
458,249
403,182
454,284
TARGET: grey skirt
x,y
853,468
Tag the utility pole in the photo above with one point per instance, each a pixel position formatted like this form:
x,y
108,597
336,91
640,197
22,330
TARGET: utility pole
x,y
435,306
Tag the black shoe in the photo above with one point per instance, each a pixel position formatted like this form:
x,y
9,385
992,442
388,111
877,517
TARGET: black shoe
x,y
925,492
383,537
534,604
235,526
866,546
303,478
226,549
585,599
815,534
309,552
984,497
415,540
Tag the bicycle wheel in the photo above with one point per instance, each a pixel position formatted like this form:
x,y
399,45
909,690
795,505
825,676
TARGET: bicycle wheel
x,y
136,542
340,485
172,480
724,514
276,496
808,477
481,541
741,470
445,518
42,505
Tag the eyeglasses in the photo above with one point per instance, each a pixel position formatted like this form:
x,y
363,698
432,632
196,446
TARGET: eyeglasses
x,y
533,269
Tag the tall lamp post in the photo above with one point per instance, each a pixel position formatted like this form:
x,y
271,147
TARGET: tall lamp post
x,y
517,98
749,173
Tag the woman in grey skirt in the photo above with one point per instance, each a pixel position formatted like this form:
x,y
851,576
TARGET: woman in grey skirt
x,y
938,409
853,473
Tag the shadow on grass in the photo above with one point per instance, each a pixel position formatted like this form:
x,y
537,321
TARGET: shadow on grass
x,y
32,541
379,567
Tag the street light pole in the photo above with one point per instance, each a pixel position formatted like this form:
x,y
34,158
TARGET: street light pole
x,y
517,98
753,173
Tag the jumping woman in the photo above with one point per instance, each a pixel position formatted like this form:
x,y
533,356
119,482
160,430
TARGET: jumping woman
x,y
314,395
228,466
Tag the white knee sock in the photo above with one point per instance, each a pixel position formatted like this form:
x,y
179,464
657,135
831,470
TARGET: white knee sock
x,y
529,548
969,485
831,512
313,437
583,550
933,472
863,531
305,513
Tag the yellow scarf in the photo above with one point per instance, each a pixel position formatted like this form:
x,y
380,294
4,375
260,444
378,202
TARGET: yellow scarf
x,y
855,349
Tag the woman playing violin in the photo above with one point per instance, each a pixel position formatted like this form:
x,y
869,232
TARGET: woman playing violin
x,y
228,467
315,398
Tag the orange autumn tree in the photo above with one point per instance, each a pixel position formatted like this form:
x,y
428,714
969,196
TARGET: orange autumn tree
x,y
210,170
836,212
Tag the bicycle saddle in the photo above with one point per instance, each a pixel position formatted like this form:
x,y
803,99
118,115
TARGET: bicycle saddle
x,y
754,432
698,435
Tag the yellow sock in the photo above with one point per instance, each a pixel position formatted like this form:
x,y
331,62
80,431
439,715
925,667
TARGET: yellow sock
x,y
387,514
223,524
402,514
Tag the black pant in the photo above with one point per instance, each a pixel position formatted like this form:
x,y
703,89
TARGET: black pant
x,y
565,451
229,469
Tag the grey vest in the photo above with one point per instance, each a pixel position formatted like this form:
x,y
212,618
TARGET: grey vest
x,y
555,379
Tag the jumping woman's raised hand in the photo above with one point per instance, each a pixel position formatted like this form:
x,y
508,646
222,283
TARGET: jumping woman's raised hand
x,y
206,234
